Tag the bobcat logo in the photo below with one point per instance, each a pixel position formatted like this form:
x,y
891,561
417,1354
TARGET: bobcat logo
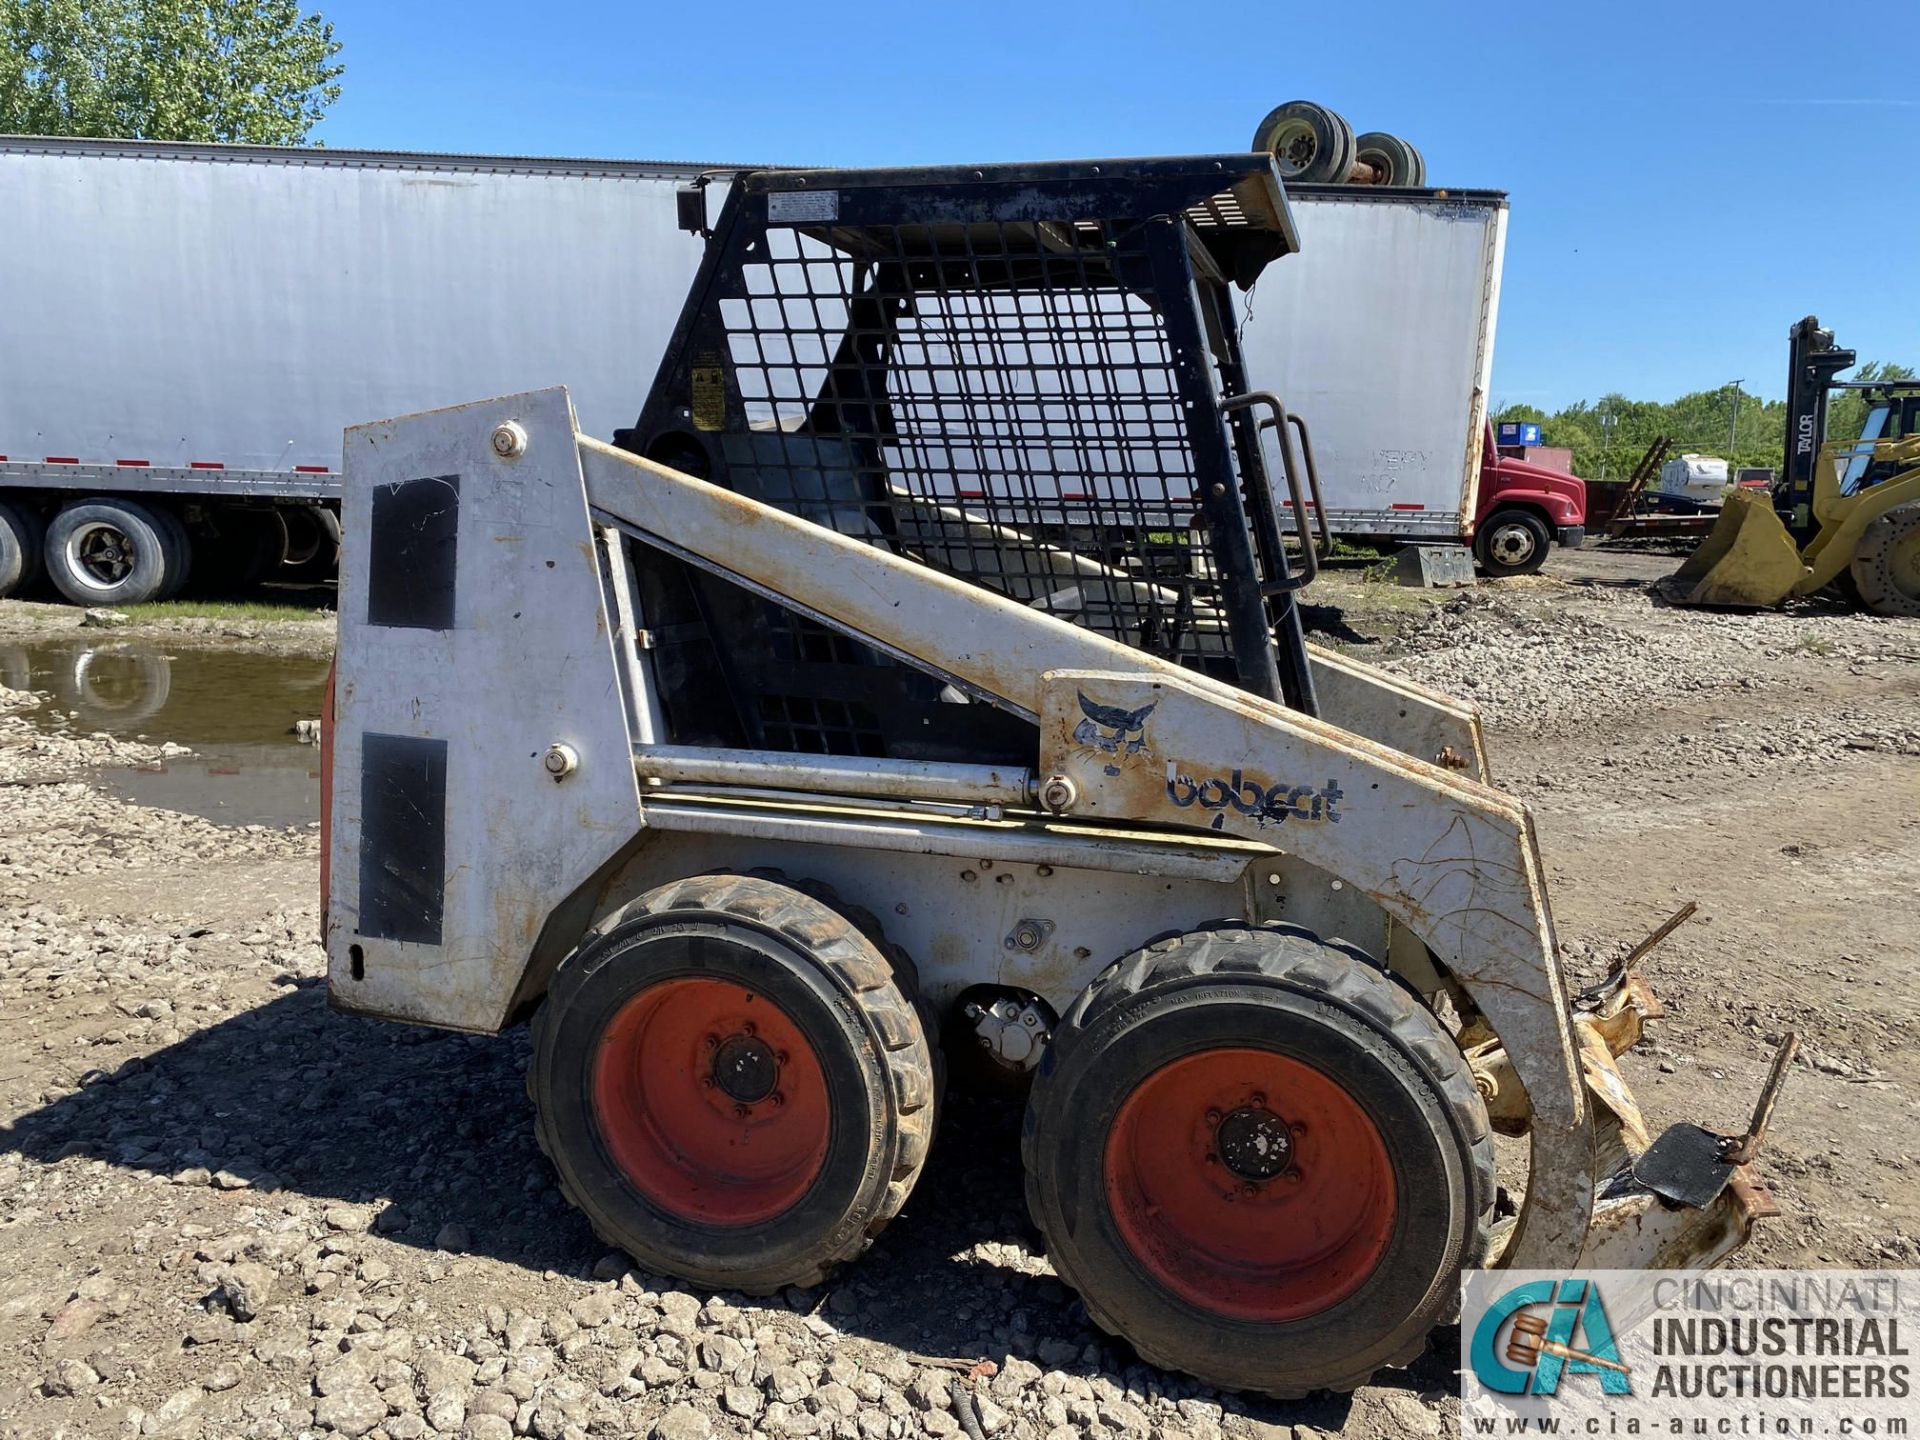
x,y
1111,729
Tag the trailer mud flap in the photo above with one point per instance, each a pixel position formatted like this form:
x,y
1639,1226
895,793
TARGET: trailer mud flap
x,y
474,648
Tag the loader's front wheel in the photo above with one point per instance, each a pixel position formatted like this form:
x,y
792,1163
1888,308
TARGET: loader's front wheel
x,y
1258,1160
733,1083
1886,563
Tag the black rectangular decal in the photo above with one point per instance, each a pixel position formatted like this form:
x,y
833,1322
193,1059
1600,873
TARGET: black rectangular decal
x,y
403,837
411,556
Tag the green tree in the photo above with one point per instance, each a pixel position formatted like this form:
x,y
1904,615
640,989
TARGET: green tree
x,y
254,71
1697,423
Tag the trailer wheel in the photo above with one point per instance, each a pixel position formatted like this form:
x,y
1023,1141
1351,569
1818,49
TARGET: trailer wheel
x,y
313,543
1309,142
21,538
180,565
111,552
1397,162
1886,563
1419,167
733,1083
1259,1161
1511,542
238,549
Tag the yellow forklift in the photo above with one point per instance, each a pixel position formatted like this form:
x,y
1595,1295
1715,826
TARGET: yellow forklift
x,y
1845,515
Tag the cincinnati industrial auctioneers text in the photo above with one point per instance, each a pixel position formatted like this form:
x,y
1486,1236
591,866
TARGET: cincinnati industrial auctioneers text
x,y
1637,1353
1769,1347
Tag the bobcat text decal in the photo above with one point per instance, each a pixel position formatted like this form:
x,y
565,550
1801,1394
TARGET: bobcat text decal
x,y
1267,804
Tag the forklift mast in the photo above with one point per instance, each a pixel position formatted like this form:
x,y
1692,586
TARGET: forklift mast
x,y
1812,363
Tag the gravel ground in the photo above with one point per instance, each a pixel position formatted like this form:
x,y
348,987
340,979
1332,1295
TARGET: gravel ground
x,y
226,1211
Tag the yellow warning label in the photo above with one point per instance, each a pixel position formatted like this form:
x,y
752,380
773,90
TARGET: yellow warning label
x,y
709,397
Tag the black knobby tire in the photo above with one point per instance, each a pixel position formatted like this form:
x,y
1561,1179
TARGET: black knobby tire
x,y
1886,563
905,971
832,985
1396,162
111,551
1319,1005
22,537
1512,542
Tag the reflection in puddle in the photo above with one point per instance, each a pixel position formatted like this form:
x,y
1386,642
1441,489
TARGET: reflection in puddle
x,y
234,709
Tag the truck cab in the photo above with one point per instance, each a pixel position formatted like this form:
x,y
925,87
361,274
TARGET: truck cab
x,y
1523,509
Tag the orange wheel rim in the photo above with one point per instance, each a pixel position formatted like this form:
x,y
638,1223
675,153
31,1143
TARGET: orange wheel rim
x,y
1250,1185
711,1102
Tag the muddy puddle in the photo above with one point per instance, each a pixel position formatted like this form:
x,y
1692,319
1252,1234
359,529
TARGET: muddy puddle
x,y
235,710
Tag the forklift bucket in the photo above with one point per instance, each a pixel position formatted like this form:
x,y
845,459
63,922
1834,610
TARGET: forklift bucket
x,y
1749,561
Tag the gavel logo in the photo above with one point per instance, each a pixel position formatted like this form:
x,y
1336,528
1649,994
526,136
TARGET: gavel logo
x,y
1529,1342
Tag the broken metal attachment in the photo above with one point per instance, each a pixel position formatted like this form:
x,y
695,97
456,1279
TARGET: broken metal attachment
x,y
1689,1165
1741,1150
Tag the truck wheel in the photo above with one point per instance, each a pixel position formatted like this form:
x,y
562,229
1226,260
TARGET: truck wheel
x,y
21,538
1886,563
1309,142
111,552
732,1083
1259,1161
1396,161
1511,542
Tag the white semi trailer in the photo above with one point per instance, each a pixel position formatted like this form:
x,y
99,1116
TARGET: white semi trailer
x,y
185,330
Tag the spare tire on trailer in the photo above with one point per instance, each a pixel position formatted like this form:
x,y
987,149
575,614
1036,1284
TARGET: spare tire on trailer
x,y
733,1083
1259,1160
112,551
21,538
1394,161
1309,142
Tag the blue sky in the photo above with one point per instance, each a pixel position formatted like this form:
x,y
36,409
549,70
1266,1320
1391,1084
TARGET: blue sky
x,y
1687,179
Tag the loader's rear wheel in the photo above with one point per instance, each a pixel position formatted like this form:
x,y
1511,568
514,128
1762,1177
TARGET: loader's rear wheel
x,y
1258,1160
733,1083
1886,563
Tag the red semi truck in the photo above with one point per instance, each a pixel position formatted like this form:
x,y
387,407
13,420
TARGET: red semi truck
x,y
1524,508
